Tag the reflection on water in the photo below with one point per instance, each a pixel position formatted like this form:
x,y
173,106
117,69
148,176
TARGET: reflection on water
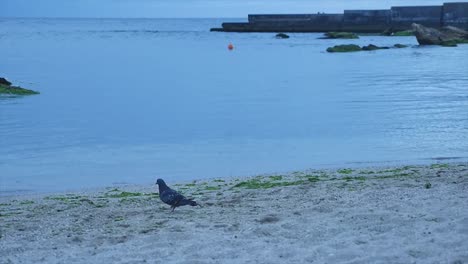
x,y
135,99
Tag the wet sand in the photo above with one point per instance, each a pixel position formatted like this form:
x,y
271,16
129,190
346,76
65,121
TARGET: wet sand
x,y
410,214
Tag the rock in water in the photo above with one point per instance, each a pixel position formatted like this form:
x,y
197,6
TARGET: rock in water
x,y
5,82
281,36
344,48
6,88
447,36
400,46
340,35
373,47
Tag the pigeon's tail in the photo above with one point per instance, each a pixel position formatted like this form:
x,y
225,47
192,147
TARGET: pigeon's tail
x,y
188,202
193,203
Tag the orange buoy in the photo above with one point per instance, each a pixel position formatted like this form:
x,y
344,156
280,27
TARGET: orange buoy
x,y
230,46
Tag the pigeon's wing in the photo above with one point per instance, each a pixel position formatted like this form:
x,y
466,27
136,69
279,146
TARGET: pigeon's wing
x,y
171,197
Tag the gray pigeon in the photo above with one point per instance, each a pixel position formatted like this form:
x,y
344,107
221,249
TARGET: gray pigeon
x,y
171,197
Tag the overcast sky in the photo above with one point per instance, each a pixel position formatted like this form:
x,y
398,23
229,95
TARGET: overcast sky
x,y
187,8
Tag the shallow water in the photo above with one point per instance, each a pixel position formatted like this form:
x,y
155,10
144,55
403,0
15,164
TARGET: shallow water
x,y
130,100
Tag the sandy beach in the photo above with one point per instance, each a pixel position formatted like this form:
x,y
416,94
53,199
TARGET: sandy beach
x,y
407,214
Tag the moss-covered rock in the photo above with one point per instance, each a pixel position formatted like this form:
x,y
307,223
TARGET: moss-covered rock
x,y
451,43
373,47
446,36
404,33
15,90
340,35
344,48
400,46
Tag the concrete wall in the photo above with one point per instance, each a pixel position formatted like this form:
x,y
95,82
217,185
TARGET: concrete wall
x,y
295,23
372,21
366,20
278,17
404,16
455,14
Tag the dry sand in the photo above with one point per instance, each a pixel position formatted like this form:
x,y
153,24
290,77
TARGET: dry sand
x,y
412,214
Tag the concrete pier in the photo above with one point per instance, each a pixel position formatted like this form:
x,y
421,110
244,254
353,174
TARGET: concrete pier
x,y
366,20
396,18
404,16
455,14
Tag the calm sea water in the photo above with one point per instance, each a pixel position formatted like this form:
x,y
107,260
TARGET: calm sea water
x,y
131,100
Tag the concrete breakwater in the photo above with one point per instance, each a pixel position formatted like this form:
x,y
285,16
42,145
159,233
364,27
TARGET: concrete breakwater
x,y
396,18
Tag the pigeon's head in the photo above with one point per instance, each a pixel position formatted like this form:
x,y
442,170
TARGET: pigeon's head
x,y
160,182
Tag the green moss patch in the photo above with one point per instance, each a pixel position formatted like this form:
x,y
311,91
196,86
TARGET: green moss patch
x,y
118,219
449,44
9,214
404,33
276,178
357,178
218,180
123,194
345,171
312,178
259,184
15,90
344,48
396,170
65,198
116,193
396,175
353,47
439,166
212,188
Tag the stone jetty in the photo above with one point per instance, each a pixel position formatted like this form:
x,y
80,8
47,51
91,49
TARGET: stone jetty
x,y
397,18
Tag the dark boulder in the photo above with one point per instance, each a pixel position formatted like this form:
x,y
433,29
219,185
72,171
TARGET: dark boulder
x,y
217,29
4,81
6,88
281,36
373,47
344,48
340,35
400,46
447,36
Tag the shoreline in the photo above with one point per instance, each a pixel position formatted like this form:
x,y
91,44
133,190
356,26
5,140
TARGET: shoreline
x,y
400,214
355,165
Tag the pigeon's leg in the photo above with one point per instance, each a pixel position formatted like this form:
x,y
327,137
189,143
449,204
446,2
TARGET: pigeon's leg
x,y
175,205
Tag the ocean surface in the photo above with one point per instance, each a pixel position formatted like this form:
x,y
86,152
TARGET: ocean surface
x,y
127,101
